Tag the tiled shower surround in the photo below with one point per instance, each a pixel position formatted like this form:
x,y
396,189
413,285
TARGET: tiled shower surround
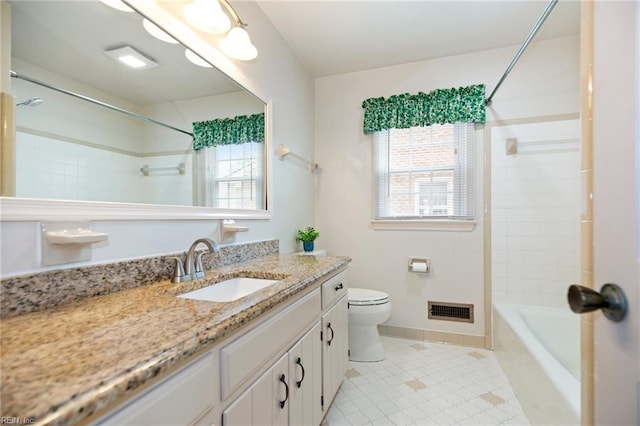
x,y
535,212
33,292
52,168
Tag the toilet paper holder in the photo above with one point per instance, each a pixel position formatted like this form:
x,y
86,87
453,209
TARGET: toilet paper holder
x,y
420,264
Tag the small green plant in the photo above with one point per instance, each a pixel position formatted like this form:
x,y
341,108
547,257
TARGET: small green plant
x,y
307,235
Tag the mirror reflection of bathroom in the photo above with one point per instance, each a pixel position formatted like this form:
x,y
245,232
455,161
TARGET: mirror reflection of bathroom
x,y
89,129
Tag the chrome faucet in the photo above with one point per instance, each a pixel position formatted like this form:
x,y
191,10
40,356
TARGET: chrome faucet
x,y
192,268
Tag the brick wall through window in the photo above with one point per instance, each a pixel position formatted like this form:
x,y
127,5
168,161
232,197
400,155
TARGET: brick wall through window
x,y
423,172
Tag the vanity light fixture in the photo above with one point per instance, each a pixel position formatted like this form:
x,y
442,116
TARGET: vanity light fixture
x,y
195,59
155,31
207,15
131,57
237,44
118,5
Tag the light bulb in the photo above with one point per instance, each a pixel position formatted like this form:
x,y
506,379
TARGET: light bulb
x,y
207,16
118,5
237,45
158,33
131,61
195,59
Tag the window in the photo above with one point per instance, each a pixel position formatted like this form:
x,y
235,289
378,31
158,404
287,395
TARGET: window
x,y
234,176
425,172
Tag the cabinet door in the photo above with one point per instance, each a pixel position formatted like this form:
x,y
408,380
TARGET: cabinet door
x,y
343,352
209,419
335,329
280,391
251,352
305,369
266,402
182,398
240,412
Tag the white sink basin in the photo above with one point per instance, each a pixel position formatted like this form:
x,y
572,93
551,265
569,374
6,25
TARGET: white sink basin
x,y
229,290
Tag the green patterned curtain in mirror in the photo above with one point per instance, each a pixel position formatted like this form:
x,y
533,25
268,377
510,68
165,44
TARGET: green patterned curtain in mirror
x,y
228,131
441,106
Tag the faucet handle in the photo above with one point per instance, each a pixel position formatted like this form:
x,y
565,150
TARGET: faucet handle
x,y
199,271
179,275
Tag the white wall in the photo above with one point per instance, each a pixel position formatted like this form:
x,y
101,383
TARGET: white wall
x,y
545,82
52,116
280,79
184,113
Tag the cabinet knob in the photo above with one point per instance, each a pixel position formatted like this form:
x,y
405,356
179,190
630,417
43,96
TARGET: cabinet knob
x,y
339,287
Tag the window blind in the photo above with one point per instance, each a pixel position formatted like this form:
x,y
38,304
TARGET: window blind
x,y
425,172
234,175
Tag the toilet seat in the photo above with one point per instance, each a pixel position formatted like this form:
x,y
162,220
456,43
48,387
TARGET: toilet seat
x,y
366,297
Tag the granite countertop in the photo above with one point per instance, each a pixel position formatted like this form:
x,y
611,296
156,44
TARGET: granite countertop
x,y
61,365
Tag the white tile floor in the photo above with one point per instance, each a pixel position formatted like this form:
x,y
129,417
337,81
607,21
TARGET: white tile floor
x,y
423,383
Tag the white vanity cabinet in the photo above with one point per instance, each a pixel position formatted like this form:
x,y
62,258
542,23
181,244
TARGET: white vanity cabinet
x,y
243,358
284,371
188,396
335,342
305,370
265,402
298,387
289,392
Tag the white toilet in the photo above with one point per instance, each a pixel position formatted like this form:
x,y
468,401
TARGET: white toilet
x,y
367,309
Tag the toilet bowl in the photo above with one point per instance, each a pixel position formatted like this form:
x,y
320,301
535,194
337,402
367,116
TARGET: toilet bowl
x,y
367,309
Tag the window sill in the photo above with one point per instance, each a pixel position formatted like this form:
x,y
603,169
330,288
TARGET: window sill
x,y
424,225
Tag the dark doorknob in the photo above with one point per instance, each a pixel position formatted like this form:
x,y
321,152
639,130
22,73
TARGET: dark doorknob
x,y
611,300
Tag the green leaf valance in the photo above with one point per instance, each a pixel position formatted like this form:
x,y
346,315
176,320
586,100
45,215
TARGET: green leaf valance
x,y
228,131
465,104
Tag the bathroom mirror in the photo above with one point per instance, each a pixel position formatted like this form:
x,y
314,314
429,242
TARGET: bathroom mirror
x,y
102,136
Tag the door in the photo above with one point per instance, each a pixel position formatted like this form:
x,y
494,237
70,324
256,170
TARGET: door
x,y
305,383
335,358
266,402
271,395
240,412
616,110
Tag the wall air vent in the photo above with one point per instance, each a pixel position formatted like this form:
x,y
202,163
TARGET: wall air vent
x,y
461,312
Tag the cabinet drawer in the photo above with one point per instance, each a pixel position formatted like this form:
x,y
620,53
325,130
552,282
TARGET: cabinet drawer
x,y
180,399
334,289
243,357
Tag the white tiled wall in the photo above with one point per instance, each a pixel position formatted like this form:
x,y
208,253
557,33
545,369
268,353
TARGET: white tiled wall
x,y
165,185
52,168
535,212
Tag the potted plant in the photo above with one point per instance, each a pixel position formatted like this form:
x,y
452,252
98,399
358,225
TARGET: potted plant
x,y
307,237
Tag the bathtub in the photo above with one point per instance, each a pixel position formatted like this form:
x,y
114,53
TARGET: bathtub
x,y
539,350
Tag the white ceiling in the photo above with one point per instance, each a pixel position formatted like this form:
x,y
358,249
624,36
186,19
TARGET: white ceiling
x,y
333,37
328,36
69,38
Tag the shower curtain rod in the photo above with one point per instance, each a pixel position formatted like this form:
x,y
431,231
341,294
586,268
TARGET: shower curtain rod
x,y
97,102
533,32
